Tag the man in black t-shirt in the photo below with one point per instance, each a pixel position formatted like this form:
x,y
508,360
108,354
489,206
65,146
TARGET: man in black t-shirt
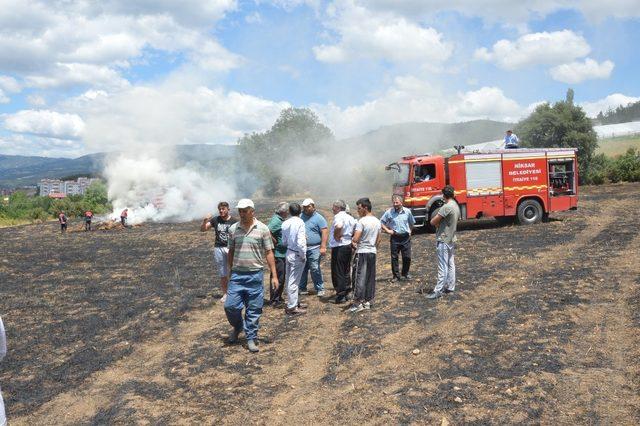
x,y
220,224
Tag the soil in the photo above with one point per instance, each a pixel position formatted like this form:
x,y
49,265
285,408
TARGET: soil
x,y
124,326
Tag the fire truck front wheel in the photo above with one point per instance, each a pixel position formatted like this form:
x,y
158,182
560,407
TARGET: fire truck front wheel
x,y
529,212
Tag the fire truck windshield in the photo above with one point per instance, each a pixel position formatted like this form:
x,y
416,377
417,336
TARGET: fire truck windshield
x,y
400,174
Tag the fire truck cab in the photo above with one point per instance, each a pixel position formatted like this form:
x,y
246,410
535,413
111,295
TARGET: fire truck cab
x,y
522,184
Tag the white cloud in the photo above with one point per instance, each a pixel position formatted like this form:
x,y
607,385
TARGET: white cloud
x,y
171,114
553,48
9,84
381,36
610,102
487,102
36,100
46,123
254,18
19,144
66,75
411,99
577,72
4,99
508,12
44,40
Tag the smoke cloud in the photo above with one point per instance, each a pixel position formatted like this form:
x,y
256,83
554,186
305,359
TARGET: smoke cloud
x,y
160,190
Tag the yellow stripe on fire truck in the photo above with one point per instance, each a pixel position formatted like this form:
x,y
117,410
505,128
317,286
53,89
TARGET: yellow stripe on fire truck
x,y
516,188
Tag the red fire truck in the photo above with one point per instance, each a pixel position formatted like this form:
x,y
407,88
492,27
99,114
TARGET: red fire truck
x,y
523,184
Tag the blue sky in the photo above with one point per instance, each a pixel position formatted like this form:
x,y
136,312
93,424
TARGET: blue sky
x,y
80,76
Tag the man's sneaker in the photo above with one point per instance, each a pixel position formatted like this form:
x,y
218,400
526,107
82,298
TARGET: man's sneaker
x,y
447,291
223,299
407,277
233,336
251,345
304,292
394,279
294,312
302,305
434,295
341,299
355,308
367,305
321,293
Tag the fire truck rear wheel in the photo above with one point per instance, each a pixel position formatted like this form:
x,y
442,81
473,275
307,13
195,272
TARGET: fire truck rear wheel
x,y
529,212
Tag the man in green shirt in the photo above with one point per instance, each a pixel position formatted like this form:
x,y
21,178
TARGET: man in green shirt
x,y
446,223
250,244
280,252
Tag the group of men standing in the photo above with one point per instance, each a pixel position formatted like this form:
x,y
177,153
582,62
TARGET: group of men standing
x,y
295,241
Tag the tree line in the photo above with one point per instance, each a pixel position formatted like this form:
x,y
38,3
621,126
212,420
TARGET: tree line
x,y
622,114
566,125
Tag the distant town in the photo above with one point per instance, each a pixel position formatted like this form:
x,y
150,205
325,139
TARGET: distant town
x,y
56,188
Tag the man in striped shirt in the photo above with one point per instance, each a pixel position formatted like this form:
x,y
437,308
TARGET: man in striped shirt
x,y
250,244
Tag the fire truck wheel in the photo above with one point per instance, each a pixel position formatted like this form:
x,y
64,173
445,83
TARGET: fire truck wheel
x,y
529,212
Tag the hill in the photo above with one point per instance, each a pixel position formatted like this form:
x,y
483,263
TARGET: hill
x,y
17,170
390,142
385,144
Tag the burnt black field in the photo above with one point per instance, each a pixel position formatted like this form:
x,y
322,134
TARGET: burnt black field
x,y
124,326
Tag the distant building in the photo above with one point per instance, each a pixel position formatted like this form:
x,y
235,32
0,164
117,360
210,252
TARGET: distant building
x,y
65,187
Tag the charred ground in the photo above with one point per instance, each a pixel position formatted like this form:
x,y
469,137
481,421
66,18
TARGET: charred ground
x,y
122,326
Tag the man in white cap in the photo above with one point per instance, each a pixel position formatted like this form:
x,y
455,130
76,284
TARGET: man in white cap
x,y
250,244
317,237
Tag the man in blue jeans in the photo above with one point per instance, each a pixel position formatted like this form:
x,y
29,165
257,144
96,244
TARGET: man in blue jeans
x,y
250,244
317,237
446,224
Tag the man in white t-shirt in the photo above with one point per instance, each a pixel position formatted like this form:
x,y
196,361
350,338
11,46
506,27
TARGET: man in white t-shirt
x,y
365,239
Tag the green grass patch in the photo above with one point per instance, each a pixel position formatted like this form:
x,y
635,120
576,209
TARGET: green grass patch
x,y
612,147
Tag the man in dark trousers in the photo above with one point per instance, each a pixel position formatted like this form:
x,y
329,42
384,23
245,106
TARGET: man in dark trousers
x,y
123,217
62,218
398,222
340,242
280,252
88,215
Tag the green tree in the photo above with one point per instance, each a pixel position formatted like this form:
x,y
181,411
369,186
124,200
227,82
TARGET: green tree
x,y
561,125
95,197
297,130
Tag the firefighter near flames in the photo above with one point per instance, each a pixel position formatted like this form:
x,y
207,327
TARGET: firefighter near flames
x,y
508,184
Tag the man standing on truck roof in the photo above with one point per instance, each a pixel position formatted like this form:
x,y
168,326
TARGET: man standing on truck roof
x,y
446,224
317,237
398,222
510,140
220,224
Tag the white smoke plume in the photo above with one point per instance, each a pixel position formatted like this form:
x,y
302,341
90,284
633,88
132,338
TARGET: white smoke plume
x,y
156,189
